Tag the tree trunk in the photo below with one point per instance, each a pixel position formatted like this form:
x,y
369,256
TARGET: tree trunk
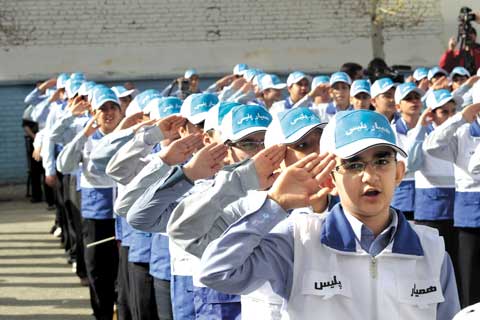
x,y
376,31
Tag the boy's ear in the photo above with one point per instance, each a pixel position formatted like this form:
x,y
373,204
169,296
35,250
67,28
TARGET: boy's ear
x,y
331,183
400,172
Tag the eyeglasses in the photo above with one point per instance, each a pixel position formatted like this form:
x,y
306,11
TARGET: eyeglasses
x,y
248,145
357,167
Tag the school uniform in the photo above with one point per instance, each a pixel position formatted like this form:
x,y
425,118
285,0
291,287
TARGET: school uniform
x,y
97,194
359,278
456,141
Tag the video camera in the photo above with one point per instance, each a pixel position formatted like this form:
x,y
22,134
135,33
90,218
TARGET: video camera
x,y
464,40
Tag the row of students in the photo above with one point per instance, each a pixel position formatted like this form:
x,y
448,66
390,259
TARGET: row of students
x,y
164,178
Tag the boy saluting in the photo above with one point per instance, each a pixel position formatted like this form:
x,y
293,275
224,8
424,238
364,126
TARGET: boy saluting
x,y
362,260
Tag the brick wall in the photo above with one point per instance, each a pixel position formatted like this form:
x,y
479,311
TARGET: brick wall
x,y
150,38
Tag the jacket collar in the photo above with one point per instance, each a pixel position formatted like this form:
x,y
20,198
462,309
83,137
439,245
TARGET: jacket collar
x,y
401,127
475,129
337,233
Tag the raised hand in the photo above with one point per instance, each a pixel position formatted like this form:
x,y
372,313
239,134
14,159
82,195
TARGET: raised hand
x,y
78,106
301,183
319,90
169,125
130,121
92,126
470,112
266,162
206,162
426,117
180,150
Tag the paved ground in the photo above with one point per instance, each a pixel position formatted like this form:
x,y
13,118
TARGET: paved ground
x,y
35,280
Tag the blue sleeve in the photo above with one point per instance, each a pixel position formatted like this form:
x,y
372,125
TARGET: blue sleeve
x,y
451,306
151,211
255,249
166,90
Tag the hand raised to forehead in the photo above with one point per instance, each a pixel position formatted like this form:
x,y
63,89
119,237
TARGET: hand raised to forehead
x,y
130,121
470,112
180,150
78,106
300,183
169,125
206,162
92,126
266,162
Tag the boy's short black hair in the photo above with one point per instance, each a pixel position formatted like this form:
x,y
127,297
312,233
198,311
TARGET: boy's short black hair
x,y
351,68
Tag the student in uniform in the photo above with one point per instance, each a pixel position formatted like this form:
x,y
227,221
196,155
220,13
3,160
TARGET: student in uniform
x,y
360,95
456,141
97,191
408,99
383,98
434,177
339,91
363,260
298,84
270,90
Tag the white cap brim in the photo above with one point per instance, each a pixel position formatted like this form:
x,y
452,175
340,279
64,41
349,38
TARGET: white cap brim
x,y
244,133
279,86
126,93
352,149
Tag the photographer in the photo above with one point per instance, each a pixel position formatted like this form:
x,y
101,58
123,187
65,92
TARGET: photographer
x,y
468,53
187,85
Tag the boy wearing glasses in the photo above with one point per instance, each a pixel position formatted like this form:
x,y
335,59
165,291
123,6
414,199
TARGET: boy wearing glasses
x,y
362,260
408,99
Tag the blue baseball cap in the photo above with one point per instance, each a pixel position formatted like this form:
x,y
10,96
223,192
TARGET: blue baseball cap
x,y
101,95
438,98
461,71
72,86
122,92
163,107
291,126
61,79
215,115
349,133
297,76
78,76
381,86
358,86
420,73
258,78
434,71
404,89
141,100
195,106
189,73
240,69
244,120
340,76
250,74
271,81
86,87
319,80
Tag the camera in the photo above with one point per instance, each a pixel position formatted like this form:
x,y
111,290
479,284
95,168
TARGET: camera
x,y
464,40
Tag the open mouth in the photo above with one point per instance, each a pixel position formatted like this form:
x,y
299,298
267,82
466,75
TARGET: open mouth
x,y
371,193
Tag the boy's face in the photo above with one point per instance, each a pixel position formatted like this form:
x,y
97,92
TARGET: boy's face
x,y
340,93
272,94
384,103
411,104
361,100
299,90
367,194
310,143
457,81
110,116
246,148
124,102
440,115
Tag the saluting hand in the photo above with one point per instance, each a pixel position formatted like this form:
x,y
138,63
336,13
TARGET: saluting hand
x,y
91,126
302,183
169,125
180,150
266,162
470,112
78,106
130,121
206,162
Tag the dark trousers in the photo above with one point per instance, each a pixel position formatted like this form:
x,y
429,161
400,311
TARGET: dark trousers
x,y
142,292
60,215
123,286
469,265
37,177
74,223
102,265
163,299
